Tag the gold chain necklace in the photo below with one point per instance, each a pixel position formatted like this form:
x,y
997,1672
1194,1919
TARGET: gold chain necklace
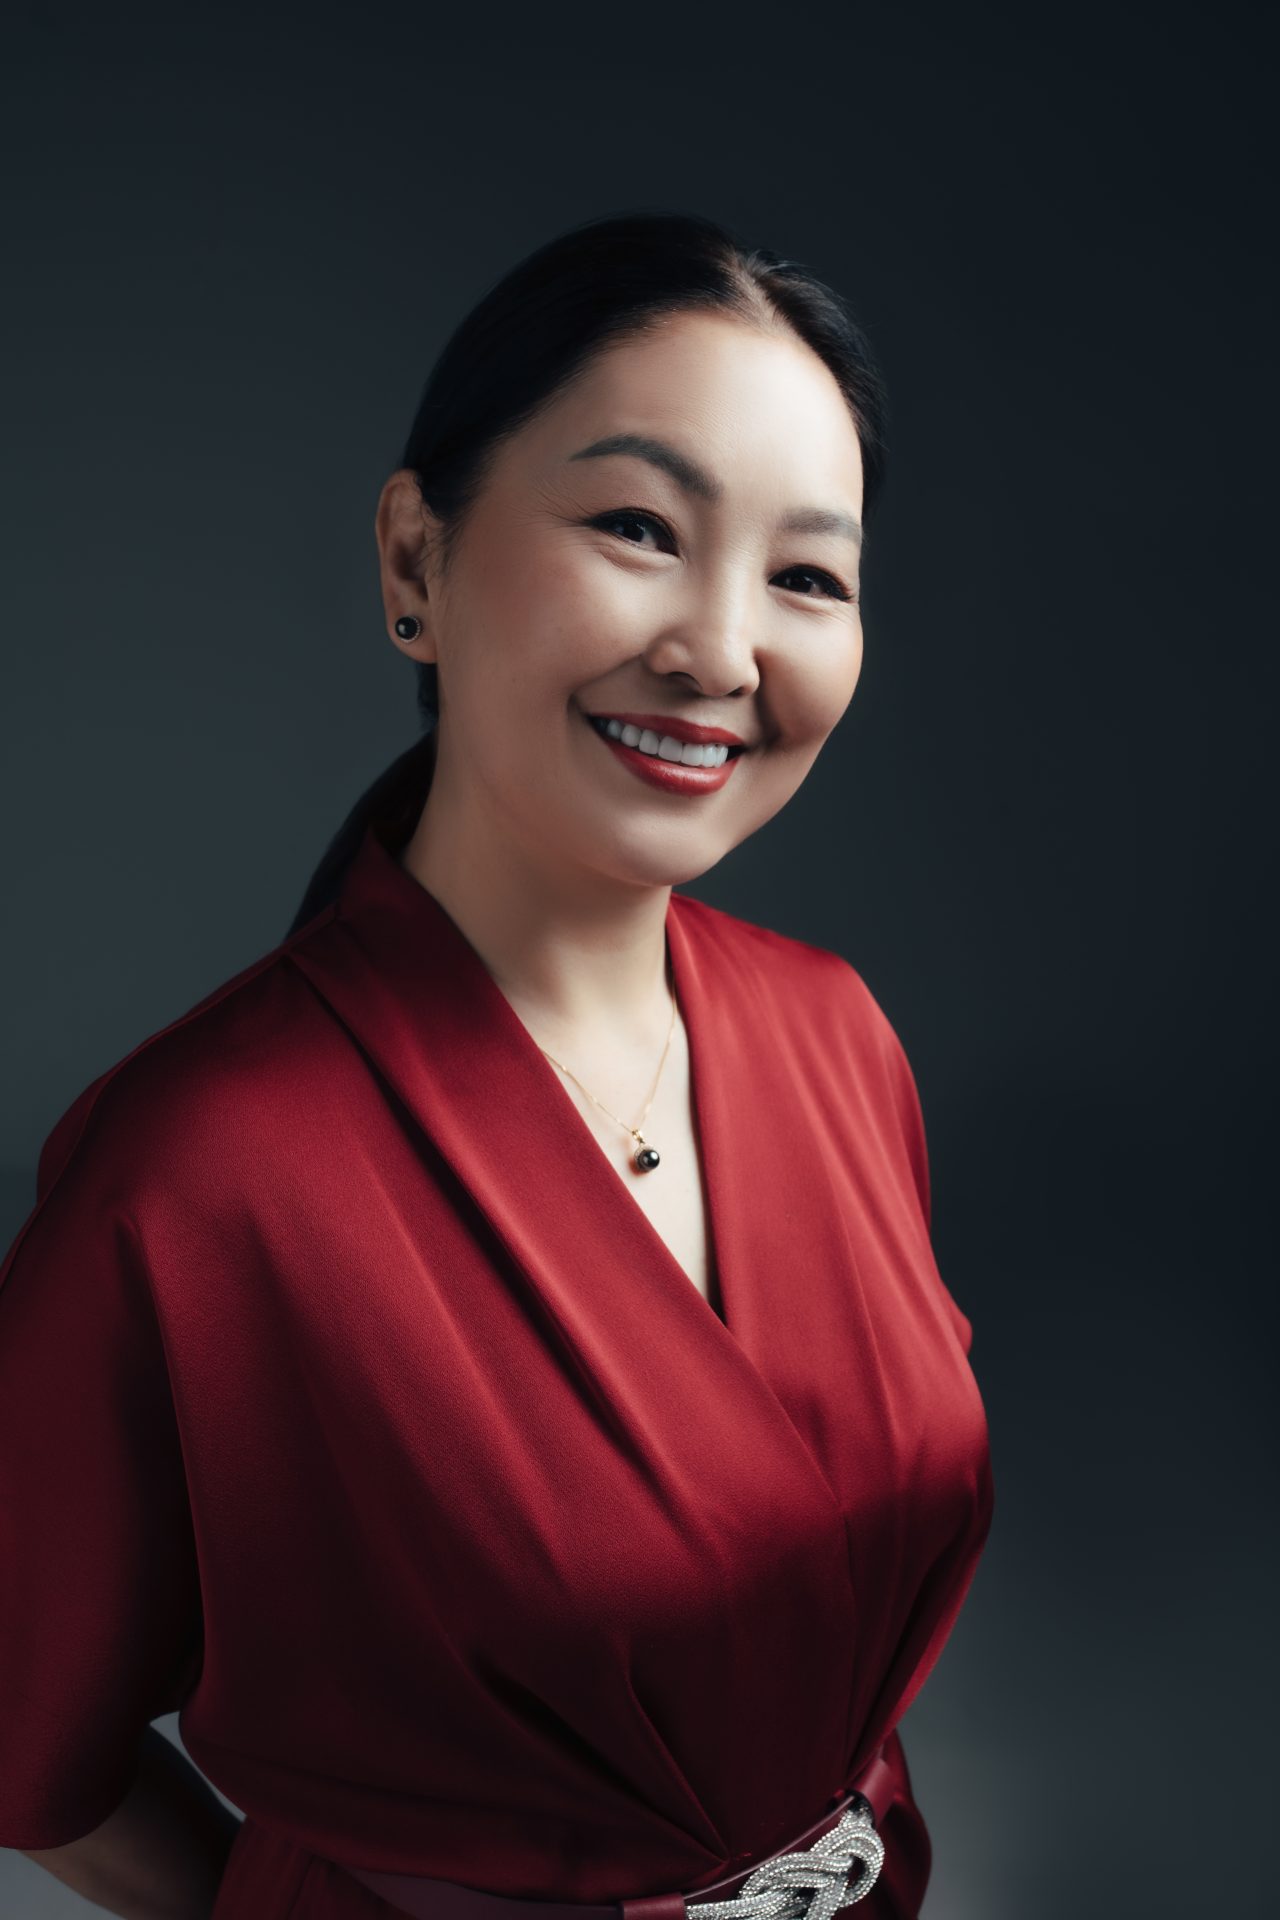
x,y
645,1158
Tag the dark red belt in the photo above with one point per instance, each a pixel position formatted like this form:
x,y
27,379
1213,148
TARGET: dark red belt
x,y
424,1899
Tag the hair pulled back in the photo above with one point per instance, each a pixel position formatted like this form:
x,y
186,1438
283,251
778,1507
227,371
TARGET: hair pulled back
x,y
527,338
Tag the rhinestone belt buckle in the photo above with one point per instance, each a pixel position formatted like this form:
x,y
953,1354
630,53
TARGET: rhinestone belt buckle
x,y
808,1885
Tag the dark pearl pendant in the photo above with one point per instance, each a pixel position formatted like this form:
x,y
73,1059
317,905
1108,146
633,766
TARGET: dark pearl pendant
x,y
647,1159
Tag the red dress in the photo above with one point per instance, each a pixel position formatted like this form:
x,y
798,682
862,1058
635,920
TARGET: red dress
x,y
350,1402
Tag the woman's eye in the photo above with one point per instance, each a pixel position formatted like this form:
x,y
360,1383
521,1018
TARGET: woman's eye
x,y
627,516
607,521
830,585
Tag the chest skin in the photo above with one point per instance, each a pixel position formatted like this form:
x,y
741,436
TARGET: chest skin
x,y
673,1194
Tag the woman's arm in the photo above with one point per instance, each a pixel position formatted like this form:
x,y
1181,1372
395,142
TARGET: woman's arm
x,y
162,1853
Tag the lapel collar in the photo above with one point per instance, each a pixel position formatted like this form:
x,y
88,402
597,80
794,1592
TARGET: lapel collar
x,y
414,992
422,1006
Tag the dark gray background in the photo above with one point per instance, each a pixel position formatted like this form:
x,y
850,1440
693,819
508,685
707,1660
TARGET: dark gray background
x,y
236,246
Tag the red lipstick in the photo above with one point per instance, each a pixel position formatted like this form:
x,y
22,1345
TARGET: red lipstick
x,y
668,775
678,729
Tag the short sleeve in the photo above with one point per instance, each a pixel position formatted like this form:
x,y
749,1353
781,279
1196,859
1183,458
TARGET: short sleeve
x,y
100,1619
911,1115
911,1119
910,1123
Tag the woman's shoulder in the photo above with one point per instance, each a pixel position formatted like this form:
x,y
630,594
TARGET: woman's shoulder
x,y
804,976
832,1020
204,1082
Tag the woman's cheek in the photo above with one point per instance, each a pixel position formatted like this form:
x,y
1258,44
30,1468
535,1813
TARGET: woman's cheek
x,y
808,709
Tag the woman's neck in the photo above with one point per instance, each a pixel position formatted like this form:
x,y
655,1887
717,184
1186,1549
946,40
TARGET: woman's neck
x,y
579,960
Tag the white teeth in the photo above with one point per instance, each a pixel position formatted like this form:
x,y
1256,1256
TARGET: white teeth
x,y
688,753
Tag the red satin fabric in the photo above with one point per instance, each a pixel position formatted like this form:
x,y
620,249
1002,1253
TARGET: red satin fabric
x,y
350,1401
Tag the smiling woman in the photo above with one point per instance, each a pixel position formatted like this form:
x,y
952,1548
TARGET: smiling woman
x,y
687,438
486,1362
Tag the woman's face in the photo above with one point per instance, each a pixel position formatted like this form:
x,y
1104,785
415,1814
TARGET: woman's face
x,y
598,583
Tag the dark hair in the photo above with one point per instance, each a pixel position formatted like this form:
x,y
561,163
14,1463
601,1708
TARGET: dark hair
x,y
523,343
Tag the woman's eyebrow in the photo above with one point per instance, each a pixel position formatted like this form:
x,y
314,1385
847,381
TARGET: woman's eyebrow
x,y
692,478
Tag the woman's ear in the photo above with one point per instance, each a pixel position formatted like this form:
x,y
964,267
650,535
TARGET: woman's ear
x,y
406,529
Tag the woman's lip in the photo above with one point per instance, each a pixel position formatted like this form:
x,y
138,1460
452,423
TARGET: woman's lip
x,y
669,775
683,730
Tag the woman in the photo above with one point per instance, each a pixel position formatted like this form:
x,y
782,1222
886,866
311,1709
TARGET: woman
x,y
485,1363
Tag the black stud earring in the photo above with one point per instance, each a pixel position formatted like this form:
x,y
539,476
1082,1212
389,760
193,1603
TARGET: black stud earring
x,y
408,627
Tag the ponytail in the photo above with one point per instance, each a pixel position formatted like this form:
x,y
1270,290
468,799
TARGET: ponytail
x,y
391,806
